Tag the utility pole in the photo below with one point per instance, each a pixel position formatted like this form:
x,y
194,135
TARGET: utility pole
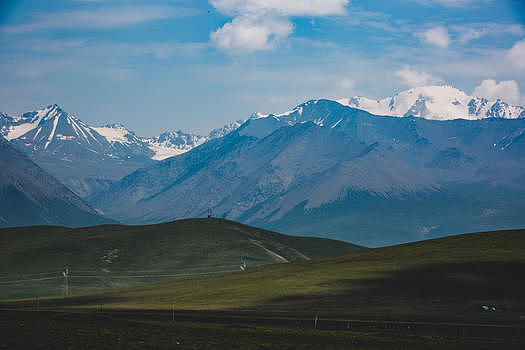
x,y
65,274
244,267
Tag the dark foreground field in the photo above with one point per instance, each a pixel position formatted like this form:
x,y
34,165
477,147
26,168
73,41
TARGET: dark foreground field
x,y
423,295
210,330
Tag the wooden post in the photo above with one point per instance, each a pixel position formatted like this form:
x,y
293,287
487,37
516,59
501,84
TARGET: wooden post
x,y
173,312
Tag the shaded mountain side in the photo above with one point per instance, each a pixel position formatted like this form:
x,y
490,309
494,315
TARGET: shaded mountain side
x,y
374,221
118,256
30,196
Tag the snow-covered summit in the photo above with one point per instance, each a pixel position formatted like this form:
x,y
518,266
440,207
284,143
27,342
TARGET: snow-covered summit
x,y
16,126
436,102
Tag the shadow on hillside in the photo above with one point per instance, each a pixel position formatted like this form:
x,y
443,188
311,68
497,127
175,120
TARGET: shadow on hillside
x,y
85,301
461,287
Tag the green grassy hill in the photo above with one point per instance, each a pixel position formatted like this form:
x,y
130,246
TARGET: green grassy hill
x,y
448,277
114,256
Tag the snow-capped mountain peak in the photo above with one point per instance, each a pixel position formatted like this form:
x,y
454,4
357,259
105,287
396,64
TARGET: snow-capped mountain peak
x,y
436,102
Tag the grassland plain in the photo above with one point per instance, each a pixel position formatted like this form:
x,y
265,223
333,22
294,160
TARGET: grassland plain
x,y
117,256
442,279
45,330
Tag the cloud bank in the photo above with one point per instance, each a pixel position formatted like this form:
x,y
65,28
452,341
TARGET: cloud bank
x,y
507,90
516,55
437,36
100,18
414,78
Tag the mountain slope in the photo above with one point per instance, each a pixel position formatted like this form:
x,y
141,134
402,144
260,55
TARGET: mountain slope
x,y
247,178
30,196
436,102
117,256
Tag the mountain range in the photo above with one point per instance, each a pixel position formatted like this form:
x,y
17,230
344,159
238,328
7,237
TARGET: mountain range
x,y
427,162
88,159
324,168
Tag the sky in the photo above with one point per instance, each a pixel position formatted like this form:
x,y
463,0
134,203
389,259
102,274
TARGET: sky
x,y
160,65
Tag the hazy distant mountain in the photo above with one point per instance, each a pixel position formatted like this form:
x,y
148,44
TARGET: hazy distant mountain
x,y
30,196
344,172
436,102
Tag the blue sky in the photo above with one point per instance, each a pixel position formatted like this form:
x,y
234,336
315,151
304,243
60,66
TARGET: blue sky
x,y
194,65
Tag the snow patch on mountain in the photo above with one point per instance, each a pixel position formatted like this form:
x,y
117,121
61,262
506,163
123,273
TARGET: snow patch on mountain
x,y
114,133
173,143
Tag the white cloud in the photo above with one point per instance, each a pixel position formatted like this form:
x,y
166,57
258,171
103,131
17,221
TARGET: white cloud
x,y
263,24
507,90
474,31
414,78
454,3
346,83
250,33
436,36
516,55
97,18
283,7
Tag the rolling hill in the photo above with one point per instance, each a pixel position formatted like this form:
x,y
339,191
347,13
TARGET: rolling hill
x,y
448,278
113,256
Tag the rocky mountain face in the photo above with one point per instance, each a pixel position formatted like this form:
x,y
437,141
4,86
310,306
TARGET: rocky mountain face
x,y
30,196
341,172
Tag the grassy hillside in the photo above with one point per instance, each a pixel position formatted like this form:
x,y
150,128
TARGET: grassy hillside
x,y
111,256
448,277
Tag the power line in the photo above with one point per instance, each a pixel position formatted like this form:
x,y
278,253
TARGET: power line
x,y
69,276
29,280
